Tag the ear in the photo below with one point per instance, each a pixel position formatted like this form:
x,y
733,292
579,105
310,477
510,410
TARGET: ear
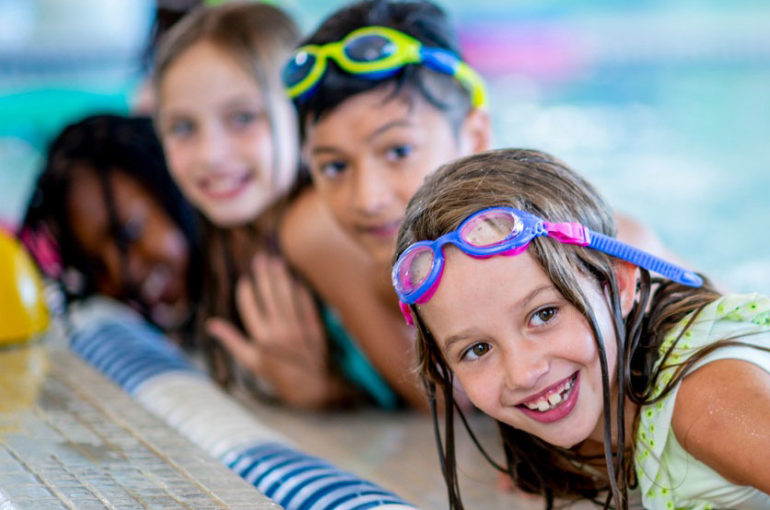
x,y
626,275
476,132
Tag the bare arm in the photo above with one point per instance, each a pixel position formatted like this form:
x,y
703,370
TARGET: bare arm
x,y
722,418
343,276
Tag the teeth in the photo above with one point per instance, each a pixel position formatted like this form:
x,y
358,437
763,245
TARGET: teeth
x,y
544,404
224,184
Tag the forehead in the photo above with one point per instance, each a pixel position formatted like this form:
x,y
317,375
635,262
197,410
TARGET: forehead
x,y
472,292
378,106
205,71
87,203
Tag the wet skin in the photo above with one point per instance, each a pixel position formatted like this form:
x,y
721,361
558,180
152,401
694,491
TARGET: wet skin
x,y
514,341
369,155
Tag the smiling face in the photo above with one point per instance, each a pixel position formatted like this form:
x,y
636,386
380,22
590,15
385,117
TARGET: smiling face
x,y
153,266
217,136
369,155
522,352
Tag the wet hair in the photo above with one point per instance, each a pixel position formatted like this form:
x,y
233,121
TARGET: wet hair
x,y
104,144
540,184
259,38
420,19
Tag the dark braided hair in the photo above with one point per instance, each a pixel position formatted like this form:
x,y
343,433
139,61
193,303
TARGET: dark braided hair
x,y
105,144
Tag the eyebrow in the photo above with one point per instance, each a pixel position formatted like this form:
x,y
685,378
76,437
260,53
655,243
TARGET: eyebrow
x,y
463,335
328,149
390,125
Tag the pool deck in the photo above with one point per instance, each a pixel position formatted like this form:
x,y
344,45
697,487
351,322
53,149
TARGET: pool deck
x,y
69,438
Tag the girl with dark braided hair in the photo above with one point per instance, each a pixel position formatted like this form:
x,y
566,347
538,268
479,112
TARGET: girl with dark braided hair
x,y
105,217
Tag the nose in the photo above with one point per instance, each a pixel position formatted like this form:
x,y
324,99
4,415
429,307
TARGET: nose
x,y
371,191
160,247
212,145
524,366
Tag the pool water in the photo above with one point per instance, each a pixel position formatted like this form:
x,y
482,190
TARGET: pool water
x,y
664,107
683,151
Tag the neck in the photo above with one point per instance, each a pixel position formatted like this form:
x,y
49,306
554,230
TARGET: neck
x,y
382,285
595,442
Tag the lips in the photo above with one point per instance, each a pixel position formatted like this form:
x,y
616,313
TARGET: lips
x,y
380,230
554,402
224,186
164,298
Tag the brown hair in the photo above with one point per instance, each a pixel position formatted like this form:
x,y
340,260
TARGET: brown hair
x,y
259,37
540,184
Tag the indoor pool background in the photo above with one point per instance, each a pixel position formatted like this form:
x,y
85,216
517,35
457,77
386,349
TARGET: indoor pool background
x,y
666,108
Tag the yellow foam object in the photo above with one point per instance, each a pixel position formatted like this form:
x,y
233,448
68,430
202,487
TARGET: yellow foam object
x,y
23,311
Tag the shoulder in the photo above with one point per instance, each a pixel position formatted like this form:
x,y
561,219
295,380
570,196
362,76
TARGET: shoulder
x,y
722,418
317,247
307,231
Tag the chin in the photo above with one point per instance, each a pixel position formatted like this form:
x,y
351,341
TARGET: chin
x,y
381,251
227,219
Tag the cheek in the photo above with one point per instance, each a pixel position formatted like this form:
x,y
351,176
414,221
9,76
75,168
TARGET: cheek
x,y
169,241
334,196
107,278
481,384
178,158
256,139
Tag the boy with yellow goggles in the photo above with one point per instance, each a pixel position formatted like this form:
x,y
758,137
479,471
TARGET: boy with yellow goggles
x,y
376,53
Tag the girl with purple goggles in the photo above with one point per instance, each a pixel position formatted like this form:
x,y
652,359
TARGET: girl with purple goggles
x,y
590,368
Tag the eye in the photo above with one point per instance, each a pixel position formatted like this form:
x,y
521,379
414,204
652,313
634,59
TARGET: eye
x,y
543,316
332,169
399,152
132,229
243,118
476,351
181,128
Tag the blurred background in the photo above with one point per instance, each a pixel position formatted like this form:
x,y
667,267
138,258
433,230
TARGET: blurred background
x,y
665,106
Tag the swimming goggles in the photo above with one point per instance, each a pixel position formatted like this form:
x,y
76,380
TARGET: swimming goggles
x,y
376,53
508,231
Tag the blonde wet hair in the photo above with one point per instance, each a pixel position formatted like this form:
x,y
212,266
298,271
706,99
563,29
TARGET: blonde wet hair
x,y
259,38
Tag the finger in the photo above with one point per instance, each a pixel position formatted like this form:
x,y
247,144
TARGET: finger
x,y
254,319
283,289
240,348
309,317
265,289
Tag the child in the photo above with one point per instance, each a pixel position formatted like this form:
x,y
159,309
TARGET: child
x,y
105,217
599,378
229,133
371,132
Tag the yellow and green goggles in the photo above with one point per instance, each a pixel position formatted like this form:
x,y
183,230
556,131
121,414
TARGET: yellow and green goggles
x,y
376,53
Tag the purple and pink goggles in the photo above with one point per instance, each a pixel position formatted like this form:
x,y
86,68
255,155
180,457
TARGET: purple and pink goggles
x,y
508,231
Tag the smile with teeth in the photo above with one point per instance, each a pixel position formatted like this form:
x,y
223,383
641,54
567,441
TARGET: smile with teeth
x,y
551,398
224,186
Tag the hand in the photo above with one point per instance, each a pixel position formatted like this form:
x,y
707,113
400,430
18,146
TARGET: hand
x,y
285,345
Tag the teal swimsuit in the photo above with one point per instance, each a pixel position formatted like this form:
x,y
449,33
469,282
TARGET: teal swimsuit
x,y
354,364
